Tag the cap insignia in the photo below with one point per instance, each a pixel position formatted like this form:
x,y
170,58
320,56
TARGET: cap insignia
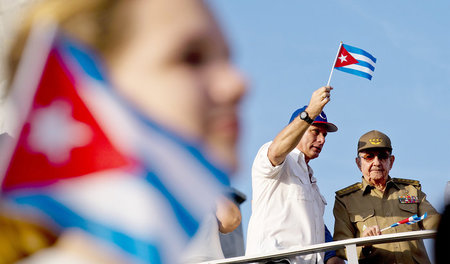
x,y
375,141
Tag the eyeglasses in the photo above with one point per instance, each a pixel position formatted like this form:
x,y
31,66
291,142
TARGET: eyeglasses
x,y
371,155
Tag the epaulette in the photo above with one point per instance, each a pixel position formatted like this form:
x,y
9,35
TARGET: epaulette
x,y
349,189
408,182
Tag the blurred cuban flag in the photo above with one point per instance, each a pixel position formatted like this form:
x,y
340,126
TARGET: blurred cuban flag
x,y
409,221
355,61
87,160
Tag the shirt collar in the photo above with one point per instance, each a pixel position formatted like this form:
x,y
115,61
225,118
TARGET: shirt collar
x,y
297,151
366,187
301,161
390,182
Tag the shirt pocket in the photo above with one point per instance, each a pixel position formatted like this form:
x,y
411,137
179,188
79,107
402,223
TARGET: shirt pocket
x,y
363,219
322,202
407,210
300,192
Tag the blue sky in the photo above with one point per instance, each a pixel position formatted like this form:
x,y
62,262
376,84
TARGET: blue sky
x,y
286,49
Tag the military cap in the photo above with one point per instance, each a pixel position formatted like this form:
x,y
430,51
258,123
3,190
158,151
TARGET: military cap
x,y
374,139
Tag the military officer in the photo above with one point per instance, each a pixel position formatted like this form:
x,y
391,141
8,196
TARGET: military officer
x,y
378,201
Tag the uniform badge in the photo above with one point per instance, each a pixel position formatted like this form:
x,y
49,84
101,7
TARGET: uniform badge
x,y
408,199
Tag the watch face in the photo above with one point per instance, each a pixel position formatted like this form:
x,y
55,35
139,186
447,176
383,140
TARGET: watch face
x,y
303,115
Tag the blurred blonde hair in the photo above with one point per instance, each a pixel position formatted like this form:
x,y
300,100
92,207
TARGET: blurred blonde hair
x,y
101,24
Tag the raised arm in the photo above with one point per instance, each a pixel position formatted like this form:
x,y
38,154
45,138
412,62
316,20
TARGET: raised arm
x,y
290,136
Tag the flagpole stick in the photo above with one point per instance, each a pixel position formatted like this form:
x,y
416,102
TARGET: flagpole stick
x,y
334,63
386,228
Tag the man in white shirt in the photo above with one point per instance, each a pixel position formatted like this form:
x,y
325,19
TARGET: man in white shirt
x,y
287,207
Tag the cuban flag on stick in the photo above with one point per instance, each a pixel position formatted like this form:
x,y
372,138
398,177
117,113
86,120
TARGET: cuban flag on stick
x,y
409,221
355,61
85,160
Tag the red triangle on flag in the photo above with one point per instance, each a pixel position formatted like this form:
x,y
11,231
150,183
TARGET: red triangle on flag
x,y
61,138
344,58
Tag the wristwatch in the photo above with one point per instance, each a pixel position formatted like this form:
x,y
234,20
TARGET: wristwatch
x,y
305,117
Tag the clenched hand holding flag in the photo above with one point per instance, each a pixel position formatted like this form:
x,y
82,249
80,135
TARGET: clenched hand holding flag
x,y
85,159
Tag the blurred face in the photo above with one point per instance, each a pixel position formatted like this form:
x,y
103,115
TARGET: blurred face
x,y
312,142
175,67
375,165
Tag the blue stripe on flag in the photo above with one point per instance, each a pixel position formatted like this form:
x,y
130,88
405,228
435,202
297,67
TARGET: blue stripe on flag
x,y
88,60
221,176
355,72
185,219
364,64
356,50
66,218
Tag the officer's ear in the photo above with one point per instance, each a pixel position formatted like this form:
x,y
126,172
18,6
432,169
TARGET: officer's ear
x,y
358,162
392,158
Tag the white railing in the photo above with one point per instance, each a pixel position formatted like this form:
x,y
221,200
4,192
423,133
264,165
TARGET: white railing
x,y
348,244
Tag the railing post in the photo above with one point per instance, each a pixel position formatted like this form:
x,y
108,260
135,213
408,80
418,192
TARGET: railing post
x,y
352,257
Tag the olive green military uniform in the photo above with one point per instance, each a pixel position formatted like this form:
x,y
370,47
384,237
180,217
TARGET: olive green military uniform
x,y
360,206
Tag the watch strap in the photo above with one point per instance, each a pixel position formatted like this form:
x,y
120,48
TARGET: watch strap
x,y
305,117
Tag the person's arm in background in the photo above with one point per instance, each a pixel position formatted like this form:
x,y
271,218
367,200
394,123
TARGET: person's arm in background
x,y
433,217
228,215
330,256
343,228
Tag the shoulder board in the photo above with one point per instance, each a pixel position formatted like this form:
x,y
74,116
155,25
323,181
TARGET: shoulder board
x,y
407,181
349,189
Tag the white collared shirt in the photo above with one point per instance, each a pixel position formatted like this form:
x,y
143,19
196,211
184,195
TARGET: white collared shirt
x,y
287,207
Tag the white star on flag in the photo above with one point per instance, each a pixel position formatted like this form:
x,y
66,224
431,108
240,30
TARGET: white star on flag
x,y
55,133
343,58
